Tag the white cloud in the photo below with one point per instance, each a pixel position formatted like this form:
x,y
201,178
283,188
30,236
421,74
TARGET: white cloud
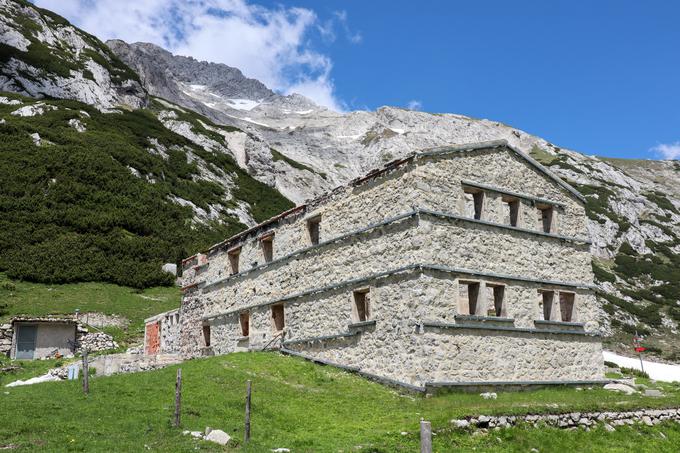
x,y
269,44
414,105
668,151
354,37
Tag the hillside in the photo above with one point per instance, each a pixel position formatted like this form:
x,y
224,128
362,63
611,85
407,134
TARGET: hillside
x,y
302,407
94,196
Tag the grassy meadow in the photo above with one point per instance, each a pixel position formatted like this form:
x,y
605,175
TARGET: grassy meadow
x,y
303,407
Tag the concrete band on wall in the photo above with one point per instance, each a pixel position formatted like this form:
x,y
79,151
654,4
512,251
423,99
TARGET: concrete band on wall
x,y
416,214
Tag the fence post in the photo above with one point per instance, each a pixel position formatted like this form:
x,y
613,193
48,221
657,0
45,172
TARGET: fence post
x,y
178,398
246,435
86,373
425,437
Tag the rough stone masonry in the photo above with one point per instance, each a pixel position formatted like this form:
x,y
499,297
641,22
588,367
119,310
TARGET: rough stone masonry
x,y
456,266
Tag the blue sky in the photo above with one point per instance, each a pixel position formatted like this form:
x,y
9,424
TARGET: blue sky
x,y
600,77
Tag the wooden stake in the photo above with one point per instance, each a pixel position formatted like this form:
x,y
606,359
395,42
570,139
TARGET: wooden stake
x,y
86,374
178,398
246,435
425,437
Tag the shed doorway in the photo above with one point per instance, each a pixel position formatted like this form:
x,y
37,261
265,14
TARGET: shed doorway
x,y
26,338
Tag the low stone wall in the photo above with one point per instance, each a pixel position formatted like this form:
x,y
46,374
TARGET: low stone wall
x,y
648,417
6,333
96,341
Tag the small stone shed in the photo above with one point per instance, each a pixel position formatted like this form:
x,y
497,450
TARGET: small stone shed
x,y
37,338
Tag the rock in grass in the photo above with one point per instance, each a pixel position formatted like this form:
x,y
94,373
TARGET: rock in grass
x,y
218,436
620,388
460,423
488,395
653,392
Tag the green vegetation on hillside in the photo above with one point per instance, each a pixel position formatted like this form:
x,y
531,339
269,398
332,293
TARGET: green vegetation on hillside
x,y
37,299
72,209
302,407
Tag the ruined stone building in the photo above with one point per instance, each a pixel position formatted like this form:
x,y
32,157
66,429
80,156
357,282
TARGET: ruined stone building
x,y
455,266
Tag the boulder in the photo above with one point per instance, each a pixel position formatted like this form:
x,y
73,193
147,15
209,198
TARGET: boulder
x,y
653,392
218,436
617,387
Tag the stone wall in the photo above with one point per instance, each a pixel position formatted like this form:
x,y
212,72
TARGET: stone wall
x,y
441,189
6,333
610,419
398,345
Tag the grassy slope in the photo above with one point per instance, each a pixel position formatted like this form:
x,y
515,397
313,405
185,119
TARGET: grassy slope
x,y
73,211
38,299
300,406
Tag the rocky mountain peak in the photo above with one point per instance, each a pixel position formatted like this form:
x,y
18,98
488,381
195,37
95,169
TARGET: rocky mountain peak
x,y
43,55
151,60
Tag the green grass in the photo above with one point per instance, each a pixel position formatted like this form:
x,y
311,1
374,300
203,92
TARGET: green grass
x,y
301,406
38,299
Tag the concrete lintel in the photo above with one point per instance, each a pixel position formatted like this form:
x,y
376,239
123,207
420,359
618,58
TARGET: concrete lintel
x,y
558,323
484,318
442,325
362,324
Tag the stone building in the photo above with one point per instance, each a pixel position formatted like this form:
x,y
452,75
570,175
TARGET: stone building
x,y
456,266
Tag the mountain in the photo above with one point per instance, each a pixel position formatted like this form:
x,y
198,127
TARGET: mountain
x,y
106,183
633,206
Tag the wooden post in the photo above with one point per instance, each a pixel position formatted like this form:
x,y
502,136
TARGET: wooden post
x,y
425,437
178,398
246,435
86,374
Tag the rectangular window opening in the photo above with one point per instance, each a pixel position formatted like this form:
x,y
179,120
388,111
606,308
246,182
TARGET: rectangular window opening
x,y
547,301
362,305
545,218
313,230
206,335
233,259
244,319
496,293
567,306
474,200
469,297
268,248
278,320
510,211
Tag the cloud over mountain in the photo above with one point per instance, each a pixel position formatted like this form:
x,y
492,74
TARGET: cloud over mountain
x,y
269,44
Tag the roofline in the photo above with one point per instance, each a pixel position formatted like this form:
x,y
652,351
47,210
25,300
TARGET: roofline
x,y
436,151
